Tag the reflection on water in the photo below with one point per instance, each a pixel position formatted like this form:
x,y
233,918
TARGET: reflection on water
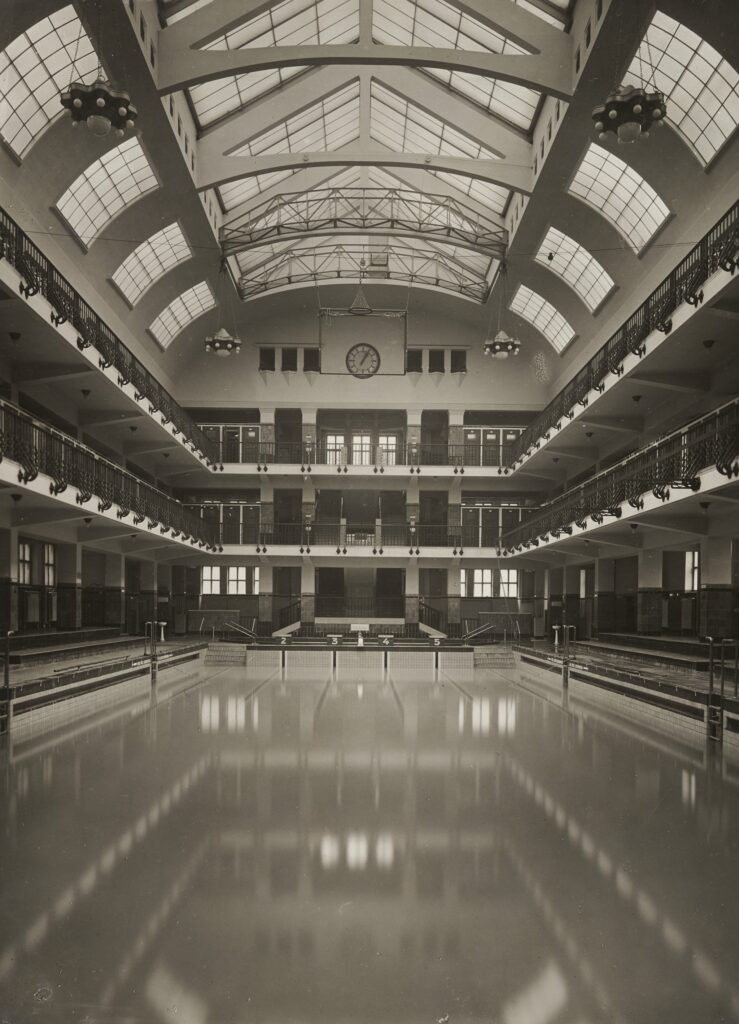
x,y
332,849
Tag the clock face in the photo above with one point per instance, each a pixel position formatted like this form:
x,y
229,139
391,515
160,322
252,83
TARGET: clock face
x,y
363,360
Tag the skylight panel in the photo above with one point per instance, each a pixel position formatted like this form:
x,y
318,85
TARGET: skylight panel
x,y
150,260
183,12
543,316
576,266
406,128
494,197
105,188
512,102
327,125
702,88
624,198
234,193
34,68
541,12
291,23
181,312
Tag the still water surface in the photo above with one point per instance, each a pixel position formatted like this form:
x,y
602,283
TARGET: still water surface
x,y
286,850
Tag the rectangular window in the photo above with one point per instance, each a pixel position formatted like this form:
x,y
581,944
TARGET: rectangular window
x,y
599,9
187,145
266,359
482,582
588,33
549,129
236,579
436,360
255,580
414,360
459,360
361,449
24,563
211,579
335,453
387,449
577,59
289,359
179,125
463,583
152,55
509,582
583,584
171,104
557,112
691,569
536,164
312,360
142,27
49,565
192,161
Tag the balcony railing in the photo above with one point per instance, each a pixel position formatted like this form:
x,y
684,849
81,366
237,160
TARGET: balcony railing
x,y
344,537
40,276
670,464
717,250
263,454
38,448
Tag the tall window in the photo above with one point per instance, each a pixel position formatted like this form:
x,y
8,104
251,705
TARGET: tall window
x,y
388,444
24,562
509,582
334,449
211,579
361,449
255,580
692,564
482,582
49,565
237,579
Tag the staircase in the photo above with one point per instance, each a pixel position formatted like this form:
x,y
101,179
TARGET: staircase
x,y
225,654
494,656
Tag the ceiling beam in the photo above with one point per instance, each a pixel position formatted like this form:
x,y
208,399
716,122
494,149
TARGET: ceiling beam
x,y
216,169
676,524
687,383
99,417
46,373
618,424
180,68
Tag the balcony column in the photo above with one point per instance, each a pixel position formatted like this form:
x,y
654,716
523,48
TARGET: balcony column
x,y
266,507
571,595
267,428
164,590
310,435
148,590
308,507
115,587
456,436
265,597
541,602
69,586
454,512
413,437
555,590
454,594
649,593
9,579
604,606
307,592
719,576
411,592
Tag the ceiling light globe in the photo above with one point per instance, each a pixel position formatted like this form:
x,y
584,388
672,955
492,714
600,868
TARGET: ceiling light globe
x,y
613,114
98,125
100,102
629,132
122,111
77,102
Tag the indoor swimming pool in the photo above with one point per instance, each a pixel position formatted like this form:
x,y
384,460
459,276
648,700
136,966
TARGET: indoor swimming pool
x,y
287,843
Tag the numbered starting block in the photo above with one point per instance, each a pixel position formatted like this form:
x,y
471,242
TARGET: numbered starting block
x,y
333,639
386,639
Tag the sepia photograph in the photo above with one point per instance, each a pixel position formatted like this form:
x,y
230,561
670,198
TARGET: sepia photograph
x,y
369,511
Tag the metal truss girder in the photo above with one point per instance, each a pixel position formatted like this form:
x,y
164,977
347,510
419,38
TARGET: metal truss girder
x,y
318,263
397,212
217,169
180,69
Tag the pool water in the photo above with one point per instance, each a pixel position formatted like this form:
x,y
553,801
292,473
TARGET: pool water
x,y
304,846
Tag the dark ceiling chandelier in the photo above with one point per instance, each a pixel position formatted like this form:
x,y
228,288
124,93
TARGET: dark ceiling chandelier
x,y
630,111
99,106
500,345
223,343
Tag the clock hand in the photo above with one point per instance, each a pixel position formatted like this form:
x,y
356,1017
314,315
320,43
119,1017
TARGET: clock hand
x,y
363,360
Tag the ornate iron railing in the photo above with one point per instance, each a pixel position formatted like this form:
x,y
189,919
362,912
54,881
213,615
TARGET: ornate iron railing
x,y
347,536
38,448
376,457
671,463
717,250
39,275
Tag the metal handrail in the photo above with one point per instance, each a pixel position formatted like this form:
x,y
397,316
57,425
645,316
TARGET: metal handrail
x,y
373,456
39,448
39,275
670,463
240,629
715,251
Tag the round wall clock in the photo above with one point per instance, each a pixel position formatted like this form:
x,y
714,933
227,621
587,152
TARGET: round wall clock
x,y
363,360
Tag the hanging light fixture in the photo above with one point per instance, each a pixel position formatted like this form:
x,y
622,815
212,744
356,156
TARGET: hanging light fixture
x,y
360,306
223,343
500,345
631,110
100,106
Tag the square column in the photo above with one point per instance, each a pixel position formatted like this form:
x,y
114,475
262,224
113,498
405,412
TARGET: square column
x,y
718,598
115,587
411,592
454,594
604,606
267,429
9,579
649,592
265,596
307,592
456,432
69,586
309,434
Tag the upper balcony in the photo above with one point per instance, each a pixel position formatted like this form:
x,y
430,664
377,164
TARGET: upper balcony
x,y
239,452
